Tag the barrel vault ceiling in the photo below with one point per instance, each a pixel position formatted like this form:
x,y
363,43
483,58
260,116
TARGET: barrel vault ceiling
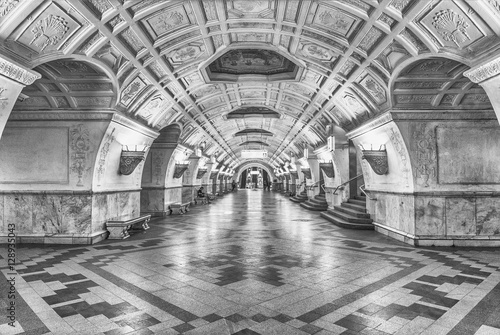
x,y
248,74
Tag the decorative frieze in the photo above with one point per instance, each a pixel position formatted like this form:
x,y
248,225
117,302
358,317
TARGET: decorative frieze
x,y
484,71
18,73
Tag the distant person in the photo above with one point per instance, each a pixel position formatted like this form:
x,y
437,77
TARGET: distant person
x,y
233,184
201,194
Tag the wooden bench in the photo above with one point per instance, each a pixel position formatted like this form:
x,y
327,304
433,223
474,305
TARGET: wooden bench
x,y
118,229
179,208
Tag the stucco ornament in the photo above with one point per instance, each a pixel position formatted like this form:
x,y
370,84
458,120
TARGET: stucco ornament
x,y
451,26
49,31
201,172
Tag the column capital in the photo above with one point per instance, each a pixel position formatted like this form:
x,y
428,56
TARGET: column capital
x,y
488,70
17,72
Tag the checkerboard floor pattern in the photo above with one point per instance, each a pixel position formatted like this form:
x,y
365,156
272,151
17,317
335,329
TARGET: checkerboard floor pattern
x,y
253,262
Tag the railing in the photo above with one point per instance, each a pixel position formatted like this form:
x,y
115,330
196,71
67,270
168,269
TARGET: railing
x,y
323,187
347,182
362,189
313,185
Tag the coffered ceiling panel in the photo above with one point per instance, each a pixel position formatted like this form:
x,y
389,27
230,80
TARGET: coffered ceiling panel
x,y
276,72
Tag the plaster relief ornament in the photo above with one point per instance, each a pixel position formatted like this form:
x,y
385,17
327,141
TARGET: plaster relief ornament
x,y
6,6
249,6
335,21
426,154
168,21
132,90
451,26
317,52
374,89
104,153
80,145
49,31
3,100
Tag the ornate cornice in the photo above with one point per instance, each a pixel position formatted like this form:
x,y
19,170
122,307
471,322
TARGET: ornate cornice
x,y
17,72
59,115
135,126
442,115
372,124
483,72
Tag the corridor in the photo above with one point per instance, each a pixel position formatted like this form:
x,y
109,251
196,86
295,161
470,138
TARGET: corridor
x,y
253,262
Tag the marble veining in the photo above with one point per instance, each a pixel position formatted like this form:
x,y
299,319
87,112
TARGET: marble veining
x,y
488,216
460,216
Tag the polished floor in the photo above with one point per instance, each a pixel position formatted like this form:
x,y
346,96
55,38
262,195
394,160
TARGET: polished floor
x,y
253,262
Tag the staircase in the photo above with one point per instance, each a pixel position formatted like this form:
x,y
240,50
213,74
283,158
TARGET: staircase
x,y
351,214
318,203
299,197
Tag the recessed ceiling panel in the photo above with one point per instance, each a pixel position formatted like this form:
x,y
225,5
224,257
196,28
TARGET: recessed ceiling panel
x,y
252,61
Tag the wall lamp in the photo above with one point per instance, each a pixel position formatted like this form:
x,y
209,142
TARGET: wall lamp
x,y
377,159
129,159
180,168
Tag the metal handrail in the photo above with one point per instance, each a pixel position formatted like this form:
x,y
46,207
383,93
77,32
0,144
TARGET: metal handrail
x,y
362,189
312,185
323,187
347,182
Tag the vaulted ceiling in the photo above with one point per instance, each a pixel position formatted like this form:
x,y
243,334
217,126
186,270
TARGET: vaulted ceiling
x,y
245,74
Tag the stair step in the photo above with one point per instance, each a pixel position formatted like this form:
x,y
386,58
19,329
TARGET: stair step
x,y
314,207
352,212
345,224
357,202
355,207
360,197
298,199
319,201
349,218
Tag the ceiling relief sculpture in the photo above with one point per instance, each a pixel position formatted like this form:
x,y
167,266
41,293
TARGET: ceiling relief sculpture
x,y
252,61
278,72
252,112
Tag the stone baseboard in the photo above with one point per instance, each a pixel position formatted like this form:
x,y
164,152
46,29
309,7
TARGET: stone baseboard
x,y
476,241
58,238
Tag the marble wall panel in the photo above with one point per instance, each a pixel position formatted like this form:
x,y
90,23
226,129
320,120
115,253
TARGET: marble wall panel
x,y
47,215
488,216
152,200
76,213
99,212
429,216
3,227
407,217
392,212
187,194
18,209
113,206
380,213
460,216
129,204
173,195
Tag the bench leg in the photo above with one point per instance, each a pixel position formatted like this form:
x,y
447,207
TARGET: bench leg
x,y
118,233
141,225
